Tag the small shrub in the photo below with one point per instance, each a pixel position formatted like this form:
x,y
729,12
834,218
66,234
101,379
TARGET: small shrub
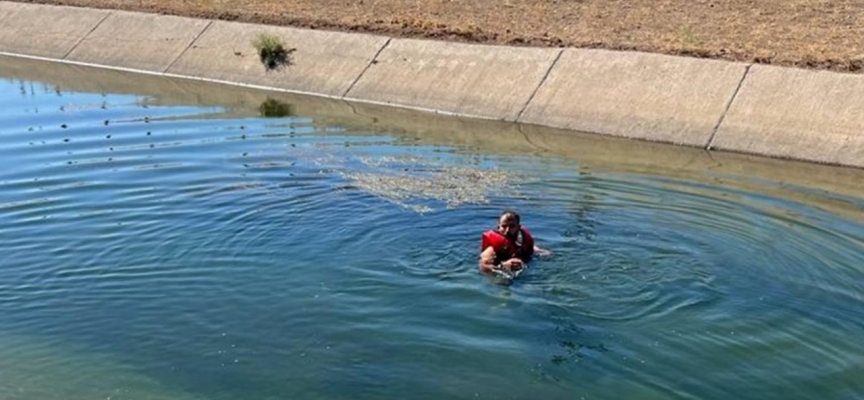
x,y
272,52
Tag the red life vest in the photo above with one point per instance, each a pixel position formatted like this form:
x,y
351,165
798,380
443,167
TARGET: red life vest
x,y
505,248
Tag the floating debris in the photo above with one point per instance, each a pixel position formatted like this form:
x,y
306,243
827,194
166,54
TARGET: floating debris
x,y
418,182
453,186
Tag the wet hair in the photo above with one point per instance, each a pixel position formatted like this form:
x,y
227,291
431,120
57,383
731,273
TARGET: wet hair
x,y
510,214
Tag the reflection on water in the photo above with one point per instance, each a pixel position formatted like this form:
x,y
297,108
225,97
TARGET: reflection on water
x,y
272,108
168,239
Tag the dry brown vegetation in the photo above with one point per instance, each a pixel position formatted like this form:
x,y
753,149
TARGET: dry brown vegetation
x,y
820,34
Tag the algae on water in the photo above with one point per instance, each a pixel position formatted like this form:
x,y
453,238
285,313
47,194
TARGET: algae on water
x,y
415,182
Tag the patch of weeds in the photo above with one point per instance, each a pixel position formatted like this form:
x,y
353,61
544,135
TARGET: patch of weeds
x,y
689,40
272,108
272,52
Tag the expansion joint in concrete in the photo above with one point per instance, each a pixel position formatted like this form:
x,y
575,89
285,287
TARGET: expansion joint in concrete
x,y
542,81
371,62
708,146
171,64
78,42
88,34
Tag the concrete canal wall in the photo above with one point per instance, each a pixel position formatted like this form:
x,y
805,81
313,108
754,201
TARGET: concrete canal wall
x,y
807,115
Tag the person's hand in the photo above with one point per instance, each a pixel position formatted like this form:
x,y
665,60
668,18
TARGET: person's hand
x,y
513,264
541,252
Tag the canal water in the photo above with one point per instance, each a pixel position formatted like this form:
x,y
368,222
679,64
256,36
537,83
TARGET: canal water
x,y
169,239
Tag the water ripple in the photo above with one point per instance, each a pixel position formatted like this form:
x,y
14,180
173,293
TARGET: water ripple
x,y
254,257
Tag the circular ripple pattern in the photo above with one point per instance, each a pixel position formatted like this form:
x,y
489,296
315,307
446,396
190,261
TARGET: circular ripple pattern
x,y
155,251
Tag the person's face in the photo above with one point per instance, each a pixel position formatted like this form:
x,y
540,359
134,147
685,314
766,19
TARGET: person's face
x,y
508,226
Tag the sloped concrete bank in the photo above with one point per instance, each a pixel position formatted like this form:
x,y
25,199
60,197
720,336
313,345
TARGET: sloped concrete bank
x,y
772,111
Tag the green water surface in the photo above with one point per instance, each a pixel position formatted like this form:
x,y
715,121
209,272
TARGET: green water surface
x,y
165,239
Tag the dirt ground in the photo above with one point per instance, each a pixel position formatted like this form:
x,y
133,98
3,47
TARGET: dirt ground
x,y
817,34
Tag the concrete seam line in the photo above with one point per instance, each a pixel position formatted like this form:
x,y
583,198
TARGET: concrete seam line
x,y
542,81
728,106
371,62
188,47
4,15
75,46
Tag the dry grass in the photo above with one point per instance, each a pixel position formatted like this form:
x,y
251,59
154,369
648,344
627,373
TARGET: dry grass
x,y
819,34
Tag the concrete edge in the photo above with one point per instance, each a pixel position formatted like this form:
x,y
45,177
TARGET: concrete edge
x,y
169,75
797,113
799,154
241,84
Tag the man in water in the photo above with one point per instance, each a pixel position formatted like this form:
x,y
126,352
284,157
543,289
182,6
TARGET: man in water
x,y
509,247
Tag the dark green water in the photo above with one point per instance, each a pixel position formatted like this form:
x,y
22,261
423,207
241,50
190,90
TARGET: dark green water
x,y
154,249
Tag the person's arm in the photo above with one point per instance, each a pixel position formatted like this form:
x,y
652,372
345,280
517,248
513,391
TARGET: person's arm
x,y
487,262
487,259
